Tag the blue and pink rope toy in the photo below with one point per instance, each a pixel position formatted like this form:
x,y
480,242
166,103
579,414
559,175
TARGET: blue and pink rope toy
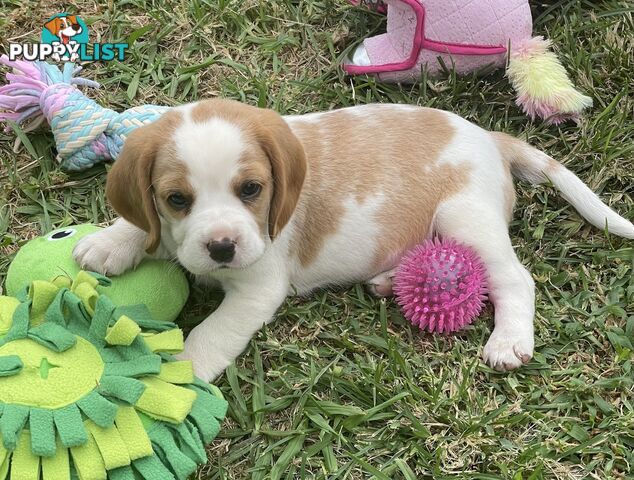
x,y
85,132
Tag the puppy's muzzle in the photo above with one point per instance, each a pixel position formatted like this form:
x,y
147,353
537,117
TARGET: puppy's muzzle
x,y
222,251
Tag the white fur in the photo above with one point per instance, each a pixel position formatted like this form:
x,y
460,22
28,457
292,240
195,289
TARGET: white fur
x,y
477,216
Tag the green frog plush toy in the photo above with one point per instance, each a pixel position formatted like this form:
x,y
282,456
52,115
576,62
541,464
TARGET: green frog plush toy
x,y
158,284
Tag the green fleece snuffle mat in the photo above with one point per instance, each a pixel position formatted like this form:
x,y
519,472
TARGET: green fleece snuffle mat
x,y
90,390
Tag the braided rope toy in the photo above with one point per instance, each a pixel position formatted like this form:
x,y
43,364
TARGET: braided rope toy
x,y
90,390
85,132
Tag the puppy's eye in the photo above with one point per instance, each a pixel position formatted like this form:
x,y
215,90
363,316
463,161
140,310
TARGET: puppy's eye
x,y
178,201
250,190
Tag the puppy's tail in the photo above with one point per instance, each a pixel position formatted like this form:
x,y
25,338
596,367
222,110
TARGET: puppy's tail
x,y
528,163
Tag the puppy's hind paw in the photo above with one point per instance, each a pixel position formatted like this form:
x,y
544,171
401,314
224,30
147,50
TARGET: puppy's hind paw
x,y
381,285
508,351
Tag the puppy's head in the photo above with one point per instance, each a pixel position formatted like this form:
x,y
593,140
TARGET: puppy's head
x,y
220,178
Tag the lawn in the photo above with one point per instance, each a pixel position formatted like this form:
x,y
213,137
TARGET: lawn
x,y
340,386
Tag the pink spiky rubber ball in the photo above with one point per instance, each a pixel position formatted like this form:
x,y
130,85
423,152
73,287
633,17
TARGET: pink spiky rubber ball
x,y
441,285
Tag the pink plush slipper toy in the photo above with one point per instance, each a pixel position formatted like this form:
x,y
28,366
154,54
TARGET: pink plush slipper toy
x,y
466,36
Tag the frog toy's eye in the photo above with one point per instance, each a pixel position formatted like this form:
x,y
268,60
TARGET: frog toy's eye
x,y
61,234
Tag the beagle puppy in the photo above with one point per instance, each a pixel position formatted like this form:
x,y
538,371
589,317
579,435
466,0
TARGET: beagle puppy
x,y
269,206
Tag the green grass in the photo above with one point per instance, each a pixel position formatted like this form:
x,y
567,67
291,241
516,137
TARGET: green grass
x,y
340,387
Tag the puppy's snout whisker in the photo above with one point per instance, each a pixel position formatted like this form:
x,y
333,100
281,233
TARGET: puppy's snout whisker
x,y
222,251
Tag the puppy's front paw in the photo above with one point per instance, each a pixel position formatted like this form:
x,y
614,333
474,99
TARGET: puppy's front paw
x,y
107,254
209,363
508,350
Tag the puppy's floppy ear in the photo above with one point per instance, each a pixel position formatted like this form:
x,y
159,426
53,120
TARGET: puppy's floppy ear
x,y
72,19
54,25
288,167
129,184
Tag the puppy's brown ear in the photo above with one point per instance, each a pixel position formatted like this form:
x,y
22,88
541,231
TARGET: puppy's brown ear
x,y
54,25
129,184
288,166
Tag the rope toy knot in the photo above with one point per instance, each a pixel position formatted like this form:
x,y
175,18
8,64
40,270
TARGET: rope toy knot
x,y
85,132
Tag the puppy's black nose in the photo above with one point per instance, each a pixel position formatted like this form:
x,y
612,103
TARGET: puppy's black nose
x,y
222,251
76,27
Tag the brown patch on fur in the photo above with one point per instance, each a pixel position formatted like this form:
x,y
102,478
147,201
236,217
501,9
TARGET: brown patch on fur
x,y
390,151
129,184
407,216
518,159
552,165
256,168
505,144
170,177
525,161
509,196
509,147
205,110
